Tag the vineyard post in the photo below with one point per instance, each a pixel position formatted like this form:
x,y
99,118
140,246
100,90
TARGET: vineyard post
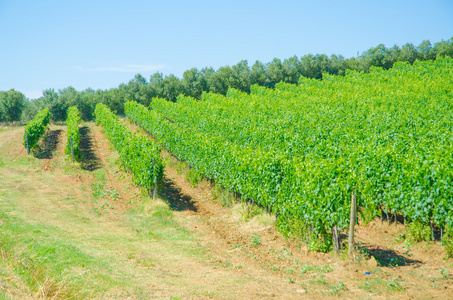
x,y
26,140
351,225
441,236
432,230
72,151
155,179
335,239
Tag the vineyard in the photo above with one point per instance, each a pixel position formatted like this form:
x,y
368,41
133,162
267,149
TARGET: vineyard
x,y
295,155
302,150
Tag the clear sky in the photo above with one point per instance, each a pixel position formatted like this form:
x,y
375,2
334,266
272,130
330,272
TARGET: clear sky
x,y
102,43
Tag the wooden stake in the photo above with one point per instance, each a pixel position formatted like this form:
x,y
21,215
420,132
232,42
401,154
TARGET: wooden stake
x,y
351,225
335,239
432,230
396,220
441,236
26,140
155,179
72,151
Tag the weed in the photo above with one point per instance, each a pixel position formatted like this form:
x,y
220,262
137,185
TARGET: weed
x,y
227,265
336,289
237,247
315,269
225,197
327,269
378,285
321,280
256,240
98,190
114,195
181,168
306,268
193,177
248,211
418,232
444,273
99,175
447,241
105,206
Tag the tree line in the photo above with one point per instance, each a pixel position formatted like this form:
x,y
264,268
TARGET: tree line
x,y
15,107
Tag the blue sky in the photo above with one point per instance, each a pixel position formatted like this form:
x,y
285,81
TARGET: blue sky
x,y
100,43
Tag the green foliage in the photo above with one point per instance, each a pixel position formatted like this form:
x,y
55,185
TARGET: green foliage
x,y
224,196
35,129
72,123
12,104
447,241
418,231
320,243
302,150
193,177
249,210
136,152
255,240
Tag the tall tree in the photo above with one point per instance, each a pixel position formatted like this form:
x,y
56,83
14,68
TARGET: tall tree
x,y
193,83
291,67
241,76
408,53
275,71
424,51
258,73
12,104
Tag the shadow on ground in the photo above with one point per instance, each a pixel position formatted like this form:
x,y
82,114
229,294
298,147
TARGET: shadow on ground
x,y
48,145
175,199
90,161
389,258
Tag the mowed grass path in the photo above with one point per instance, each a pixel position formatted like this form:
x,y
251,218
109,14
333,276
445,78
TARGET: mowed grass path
x,y
66,232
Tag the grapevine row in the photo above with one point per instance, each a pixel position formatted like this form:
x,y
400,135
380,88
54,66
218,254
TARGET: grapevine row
x,y
136,152
392,128
262,176
72,123
385,136
36,128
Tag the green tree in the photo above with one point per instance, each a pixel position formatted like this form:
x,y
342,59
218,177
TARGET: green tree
x,y
309,67
220,80
443,48
424,51
12,104
172,87
241,76
258,73
193,83
275,71
291,68
408,53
